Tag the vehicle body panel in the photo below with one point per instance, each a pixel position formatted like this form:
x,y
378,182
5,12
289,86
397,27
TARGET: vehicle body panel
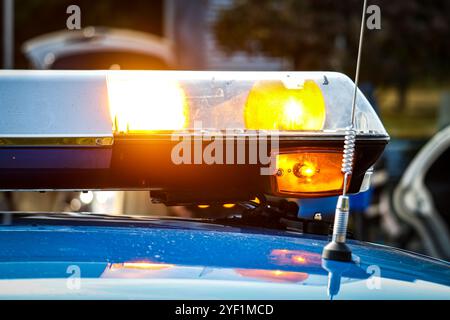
x,y
192,260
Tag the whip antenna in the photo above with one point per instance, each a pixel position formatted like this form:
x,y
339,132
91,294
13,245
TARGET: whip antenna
x,y
337,249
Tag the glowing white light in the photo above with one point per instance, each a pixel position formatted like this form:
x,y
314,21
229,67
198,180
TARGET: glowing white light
x,y
87,197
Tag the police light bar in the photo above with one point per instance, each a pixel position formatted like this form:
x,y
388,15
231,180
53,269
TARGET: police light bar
x,y
232,134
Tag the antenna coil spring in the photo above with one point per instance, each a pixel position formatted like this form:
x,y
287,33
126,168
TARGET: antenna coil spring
x,y
349,150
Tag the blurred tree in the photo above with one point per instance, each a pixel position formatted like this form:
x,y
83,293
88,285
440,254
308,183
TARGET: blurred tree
x,y
412,46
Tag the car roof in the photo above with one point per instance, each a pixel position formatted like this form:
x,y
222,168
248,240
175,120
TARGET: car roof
x,y
139,256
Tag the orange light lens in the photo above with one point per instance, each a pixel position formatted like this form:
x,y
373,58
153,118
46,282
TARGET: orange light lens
x,y
229,205
308,172
272,106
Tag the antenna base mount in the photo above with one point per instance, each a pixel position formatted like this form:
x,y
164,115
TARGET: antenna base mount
x,y
337,251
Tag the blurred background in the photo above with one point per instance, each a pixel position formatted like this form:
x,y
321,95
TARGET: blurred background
x,y
405,74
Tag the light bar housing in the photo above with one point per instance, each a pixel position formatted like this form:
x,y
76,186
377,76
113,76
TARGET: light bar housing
x,y
108,130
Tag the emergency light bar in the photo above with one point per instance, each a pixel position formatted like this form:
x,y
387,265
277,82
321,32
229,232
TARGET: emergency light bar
x,y
84,130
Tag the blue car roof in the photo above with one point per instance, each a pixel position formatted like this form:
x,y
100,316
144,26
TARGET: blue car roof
x,y
174,259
